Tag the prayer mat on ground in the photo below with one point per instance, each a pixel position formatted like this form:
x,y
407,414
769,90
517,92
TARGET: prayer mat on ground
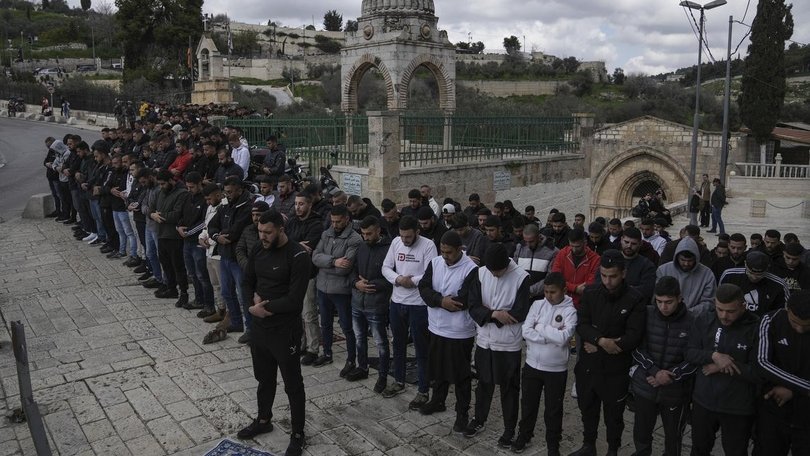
x,y
411,376
228,447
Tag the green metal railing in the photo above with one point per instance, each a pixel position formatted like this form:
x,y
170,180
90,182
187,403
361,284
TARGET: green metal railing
x,y
436,140
318,140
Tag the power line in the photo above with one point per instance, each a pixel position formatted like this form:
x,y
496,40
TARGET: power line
x,y
746,9
703,40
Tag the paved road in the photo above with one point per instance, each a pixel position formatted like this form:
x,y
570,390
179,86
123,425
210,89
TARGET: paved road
x,y
22,150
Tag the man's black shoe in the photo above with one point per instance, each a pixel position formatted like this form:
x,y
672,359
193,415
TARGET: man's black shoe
x,y
61,219
53,214
193,305
167,293
144,277
473,428
322,360
505,441
255,428
382,382
114,255
151,283
182,300
308,358
69,222
80,235
244,338
76,228
431,407
348,367
460,425
141,268
357,374
586,450
206,313
297,444
98,242
132,262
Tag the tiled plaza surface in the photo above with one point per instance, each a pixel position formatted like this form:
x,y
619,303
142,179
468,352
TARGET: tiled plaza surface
x,y
116,371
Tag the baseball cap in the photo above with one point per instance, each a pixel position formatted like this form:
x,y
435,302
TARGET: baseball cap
x,y
612,258
757,261
448,209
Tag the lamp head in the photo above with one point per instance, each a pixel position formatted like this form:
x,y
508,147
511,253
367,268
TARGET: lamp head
x,y
714,4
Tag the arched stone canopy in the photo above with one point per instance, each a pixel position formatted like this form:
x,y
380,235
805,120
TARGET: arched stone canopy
x,y
612,189
446,82
355,75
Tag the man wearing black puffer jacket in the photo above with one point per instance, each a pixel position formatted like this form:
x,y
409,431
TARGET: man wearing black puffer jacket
x,y
611,322
723,342
661,379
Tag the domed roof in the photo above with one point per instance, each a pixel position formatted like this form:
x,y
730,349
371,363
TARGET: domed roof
x,y
397,6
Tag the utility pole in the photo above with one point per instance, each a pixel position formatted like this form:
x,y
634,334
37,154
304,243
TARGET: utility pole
x,y
726,100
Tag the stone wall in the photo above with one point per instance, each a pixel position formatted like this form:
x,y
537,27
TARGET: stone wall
x,y
512,88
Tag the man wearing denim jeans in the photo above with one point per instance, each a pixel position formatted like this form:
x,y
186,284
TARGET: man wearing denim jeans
x,y
370,296
404,266
116,187
225,229
334,257
191,223
149,193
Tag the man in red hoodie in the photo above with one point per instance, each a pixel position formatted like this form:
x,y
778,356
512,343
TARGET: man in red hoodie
x,y
184,158
577,263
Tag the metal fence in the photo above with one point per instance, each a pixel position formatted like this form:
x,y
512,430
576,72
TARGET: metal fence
x,y
436,140
319,141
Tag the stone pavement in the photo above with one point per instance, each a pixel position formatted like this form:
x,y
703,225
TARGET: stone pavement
x,y
117,372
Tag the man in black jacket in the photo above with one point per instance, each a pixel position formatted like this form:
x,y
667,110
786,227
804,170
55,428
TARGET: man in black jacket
x,y
429,225
783,422
763,291
225,228
166,213
611,322
371,294
661,379
276,280
718,201
192,222
724,344
306,228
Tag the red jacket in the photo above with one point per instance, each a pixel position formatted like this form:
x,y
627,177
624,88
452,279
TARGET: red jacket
x,y
180,164
576,275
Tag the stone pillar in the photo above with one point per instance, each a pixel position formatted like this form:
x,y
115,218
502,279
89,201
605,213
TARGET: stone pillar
x,y
447,143
348,143
583,133
383,154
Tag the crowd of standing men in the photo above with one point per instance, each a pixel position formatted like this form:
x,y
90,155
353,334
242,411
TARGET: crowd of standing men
x,y
717,338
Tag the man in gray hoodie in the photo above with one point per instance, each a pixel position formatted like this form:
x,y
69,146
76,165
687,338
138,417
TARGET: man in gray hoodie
x,y
696,280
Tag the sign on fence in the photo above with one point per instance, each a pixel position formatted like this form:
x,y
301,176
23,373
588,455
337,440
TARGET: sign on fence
x,y
501,180
352,184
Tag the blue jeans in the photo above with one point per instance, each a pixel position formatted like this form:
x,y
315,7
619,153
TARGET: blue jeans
x,y
152,254
717,219
415,318
54,186
125,233
327,303
95,210
230,282
378,322
194,257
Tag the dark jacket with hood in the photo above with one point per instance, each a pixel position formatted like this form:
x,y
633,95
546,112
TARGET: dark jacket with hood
x,y
368,264
698,285
664,347
734,395
231,219
170,206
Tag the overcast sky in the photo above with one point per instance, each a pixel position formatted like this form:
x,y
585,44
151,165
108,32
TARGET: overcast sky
x,y
640,36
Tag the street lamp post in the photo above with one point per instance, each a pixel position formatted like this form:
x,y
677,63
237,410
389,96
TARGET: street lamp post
x,y
696,126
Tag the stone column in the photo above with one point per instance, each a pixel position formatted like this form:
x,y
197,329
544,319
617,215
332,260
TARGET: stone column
x,y
583,133
447,142
383,155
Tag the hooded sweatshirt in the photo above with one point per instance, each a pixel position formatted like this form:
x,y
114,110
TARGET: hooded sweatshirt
x,y
547,329
698,285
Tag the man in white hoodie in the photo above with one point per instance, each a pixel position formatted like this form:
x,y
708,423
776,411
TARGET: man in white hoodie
x,y
548,327
499,302
452,330
404,265
696,281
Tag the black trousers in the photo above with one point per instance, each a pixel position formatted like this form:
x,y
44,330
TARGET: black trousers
x,y
109,226
88,223
735,432
672,418
510,401
170,254
463,395
278,351
704,214
140,226
534,383
68,211
608,392
776,436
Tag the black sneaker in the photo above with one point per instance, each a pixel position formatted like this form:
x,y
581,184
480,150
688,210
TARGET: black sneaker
x,y
322,360
348,367
206,313
431,407
151,283
166,293
193,305
114,255
98,242
182,300
140,269
255,428
308,358
144,277
357,374
460,424
473,428
244,338
132,262
587,449
379,387
521,442
505,441
297,444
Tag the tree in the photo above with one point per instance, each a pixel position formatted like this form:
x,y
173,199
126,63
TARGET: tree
x,y
763,80
86,4
477,48
46,4
351,26
245,42
309,27
570,64
333,21
512,45
618,76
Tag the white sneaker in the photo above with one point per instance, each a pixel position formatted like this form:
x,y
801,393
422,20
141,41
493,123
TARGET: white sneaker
x,y
574,390
90,238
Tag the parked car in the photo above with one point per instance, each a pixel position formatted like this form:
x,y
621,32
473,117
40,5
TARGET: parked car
x,y
117,66
86,68
50,72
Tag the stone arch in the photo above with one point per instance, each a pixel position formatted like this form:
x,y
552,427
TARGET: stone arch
x,y
355,75
447,86
612,189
